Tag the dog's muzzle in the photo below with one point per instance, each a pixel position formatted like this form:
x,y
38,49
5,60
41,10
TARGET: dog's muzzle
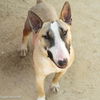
x,y
60,64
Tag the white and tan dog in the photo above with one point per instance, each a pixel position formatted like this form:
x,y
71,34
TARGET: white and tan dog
x,y
53,51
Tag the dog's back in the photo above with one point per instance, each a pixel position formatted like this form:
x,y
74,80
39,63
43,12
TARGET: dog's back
x,y
45,11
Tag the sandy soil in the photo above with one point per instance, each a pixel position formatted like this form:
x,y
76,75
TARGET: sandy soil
x,y
82,80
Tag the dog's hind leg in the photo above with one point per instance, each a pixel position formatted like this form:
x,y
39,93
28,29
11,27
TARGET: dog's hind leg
x,y
26,32
55,82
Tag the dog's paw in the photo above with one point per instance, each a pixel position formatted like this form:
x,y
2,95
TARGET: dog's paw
x,y
23,51
55,87
41,98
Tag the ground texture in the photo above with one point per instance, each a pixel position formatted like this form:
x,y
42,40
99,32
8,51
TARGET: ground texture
x,y
82,80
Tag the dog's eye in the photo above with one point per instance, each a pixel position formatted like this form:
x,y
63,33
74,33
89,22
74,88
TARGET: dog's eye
x,y
45,37
65,33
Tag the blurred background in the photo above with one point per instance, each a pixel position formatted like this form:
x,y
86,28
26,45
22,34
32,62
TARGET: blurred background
x,y
81,81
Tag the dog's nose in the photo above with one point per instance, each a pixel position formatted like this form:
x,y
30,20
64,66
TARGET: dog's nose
x,y
62,62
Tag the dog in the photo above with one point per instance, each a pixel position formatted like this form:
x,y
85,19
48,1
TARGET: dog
x,y
53,51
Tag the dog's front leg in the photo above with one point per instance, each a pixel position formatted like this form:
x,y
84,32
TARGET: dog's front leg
x,y
40,87
25,38
24,46
55,82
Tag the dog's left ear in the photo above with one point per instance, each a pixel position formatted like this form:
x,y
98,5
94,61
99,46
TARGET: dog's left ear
x,y
35,21
65,14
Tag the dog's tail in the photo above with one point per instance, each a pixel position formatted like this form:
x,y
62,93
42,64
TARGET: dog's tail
x,y
39,1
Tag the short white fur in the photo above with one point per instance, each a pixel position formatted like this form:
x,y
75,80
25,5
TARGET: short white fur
x,y
41,98
59,50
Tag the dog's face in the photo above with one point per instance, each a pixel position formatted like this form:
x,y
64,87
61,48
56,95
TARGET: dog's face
x,y
55,37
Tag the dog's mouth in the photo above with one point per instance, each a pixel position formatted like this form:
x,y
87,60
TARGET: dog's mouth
x,y
51,57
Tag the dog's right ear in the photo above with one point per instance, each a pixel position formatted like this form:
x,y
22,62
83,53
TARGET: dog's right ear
x,y
34,21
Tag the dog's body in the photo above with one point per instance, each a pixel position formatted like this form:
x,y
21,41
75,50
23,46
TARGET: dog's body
x,y
48,12
53,51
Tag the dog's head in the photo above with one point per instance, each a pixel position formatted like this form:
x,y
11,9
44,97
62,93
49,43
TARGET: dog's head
x,y
55,36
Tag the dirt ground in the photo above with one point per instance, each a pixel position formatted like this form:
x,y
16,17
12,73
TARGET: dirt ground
x,y
82,80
